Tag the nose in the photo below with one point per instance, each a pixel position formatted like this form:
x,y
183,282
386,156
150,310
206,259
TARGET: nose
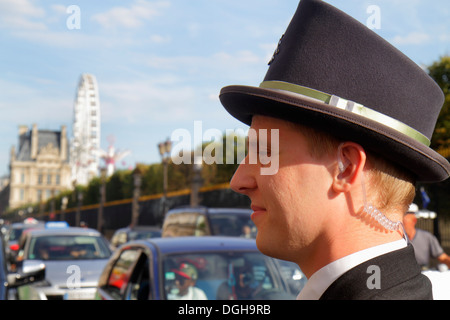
x,y
243,180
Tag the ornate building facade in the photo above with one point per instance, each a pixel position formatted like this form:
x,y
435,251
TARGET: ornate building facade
x,y
39,167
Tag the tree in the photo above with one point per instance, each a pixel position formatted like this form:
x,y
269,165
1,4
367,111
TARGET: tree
x,y
152,180
91,193
120,185
440,72
440,201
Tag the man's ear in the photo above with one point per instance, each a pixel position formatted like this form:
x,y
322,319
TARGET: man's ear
x,y
351,158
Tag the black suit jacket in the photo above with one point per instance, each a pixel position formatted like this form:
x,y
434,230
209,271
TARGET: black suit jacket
x,y
400,278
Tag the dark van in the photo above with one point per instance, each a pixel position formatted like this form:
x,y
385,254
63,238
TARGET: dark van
x,y
203,221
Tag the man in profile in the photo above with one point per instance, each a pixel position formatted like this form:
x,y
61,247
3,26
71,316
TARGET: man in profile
x,y
354,117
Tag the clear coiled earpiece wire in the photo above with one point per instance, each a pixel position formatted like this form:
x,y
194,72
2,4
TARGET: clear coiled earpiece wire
x,y
371,210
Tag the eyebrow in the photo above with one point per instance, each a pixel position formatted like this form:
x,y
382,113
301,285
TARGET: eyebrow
x,y
267,132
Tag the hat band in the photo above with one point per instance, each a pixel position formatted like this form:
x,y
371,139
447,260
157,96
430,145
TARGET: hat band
x,y
350,106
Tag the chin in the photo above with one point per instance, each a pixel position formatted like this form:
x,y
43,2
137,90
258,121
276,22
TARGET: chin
x,y
273,247
268,247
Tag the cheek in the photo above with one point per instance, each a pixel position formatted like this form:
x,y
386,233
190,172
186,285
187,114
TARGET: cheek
x,y
297,189
283,203
295,198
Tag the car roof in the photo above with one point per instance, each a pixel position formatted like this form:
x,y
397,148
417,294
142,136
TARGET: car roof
x,y
229,210
19,225
211,210
64,231
145,228
139,228
200,244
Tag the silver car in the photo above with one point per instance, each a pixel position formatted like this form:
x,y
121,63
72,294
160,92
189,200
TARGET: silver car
x,y
73,258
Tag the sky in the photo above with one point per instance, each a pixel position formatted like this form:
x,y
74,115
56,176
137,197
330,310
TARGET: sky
x,y
160,64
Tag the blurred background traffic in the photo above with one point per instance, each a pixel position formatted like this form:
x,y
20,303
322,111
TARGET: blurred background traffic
x,y
199,253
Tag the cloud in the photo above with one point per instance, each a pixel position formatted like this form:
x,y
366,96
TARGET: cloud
x,y
21,14
179,89
413,38
444,38
132,17
219,63
158,39
72,39
24,103
59,9
133,101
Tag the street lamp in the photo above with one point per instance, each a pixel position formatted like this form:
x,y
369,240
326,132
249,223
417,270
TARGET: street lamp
x,y
64,202
137,179
102,199
196,181
164,151
79,203
52,205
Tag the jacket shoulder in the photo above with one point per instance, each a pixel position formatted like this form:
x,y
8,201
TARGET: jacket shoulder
x,y
391,276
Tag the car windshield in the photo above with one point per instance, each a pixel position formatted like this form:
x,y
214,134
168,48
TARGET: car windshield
x,y
68,247
232,225
14,234
223,276
144,234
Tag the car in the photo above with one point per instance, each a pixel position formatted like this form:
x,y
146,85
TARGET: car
x,y
13,235
210,267
73,257
124,235
10,281
203,221
4,228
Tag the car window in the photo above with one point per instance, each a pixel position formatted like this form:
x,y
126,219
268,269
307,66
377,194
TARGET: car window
x,y
222,276
138,287
143,234
67,247
120,273
202,228
14,234
232,225
119,238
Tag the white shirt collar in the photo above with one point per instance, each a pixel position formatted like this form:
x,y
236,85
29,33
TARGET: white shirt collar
x,y
324,277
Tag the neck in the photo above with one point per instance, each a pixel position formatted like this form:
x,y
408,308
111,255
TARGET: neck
x,y
342,240
411,232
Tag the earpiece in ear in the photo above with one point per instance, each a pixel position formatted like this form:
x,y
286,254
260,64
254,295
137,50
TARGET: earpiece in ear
x,y
342,167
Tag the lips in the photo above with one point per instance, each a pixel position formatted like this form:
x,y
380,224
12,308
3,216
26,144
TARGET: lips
x,y
257,212
257,208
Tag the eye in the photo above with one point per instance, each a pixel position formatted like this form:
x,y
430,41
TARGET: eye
x,y
264,152
264,155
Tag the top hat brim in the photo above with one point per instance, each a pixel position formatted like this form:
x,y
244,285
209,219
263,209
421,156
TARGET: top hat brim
x,y
242,102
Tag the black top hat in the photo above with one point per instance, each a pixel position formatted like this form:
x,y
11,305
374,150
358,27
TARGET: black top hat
x,y
332,72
